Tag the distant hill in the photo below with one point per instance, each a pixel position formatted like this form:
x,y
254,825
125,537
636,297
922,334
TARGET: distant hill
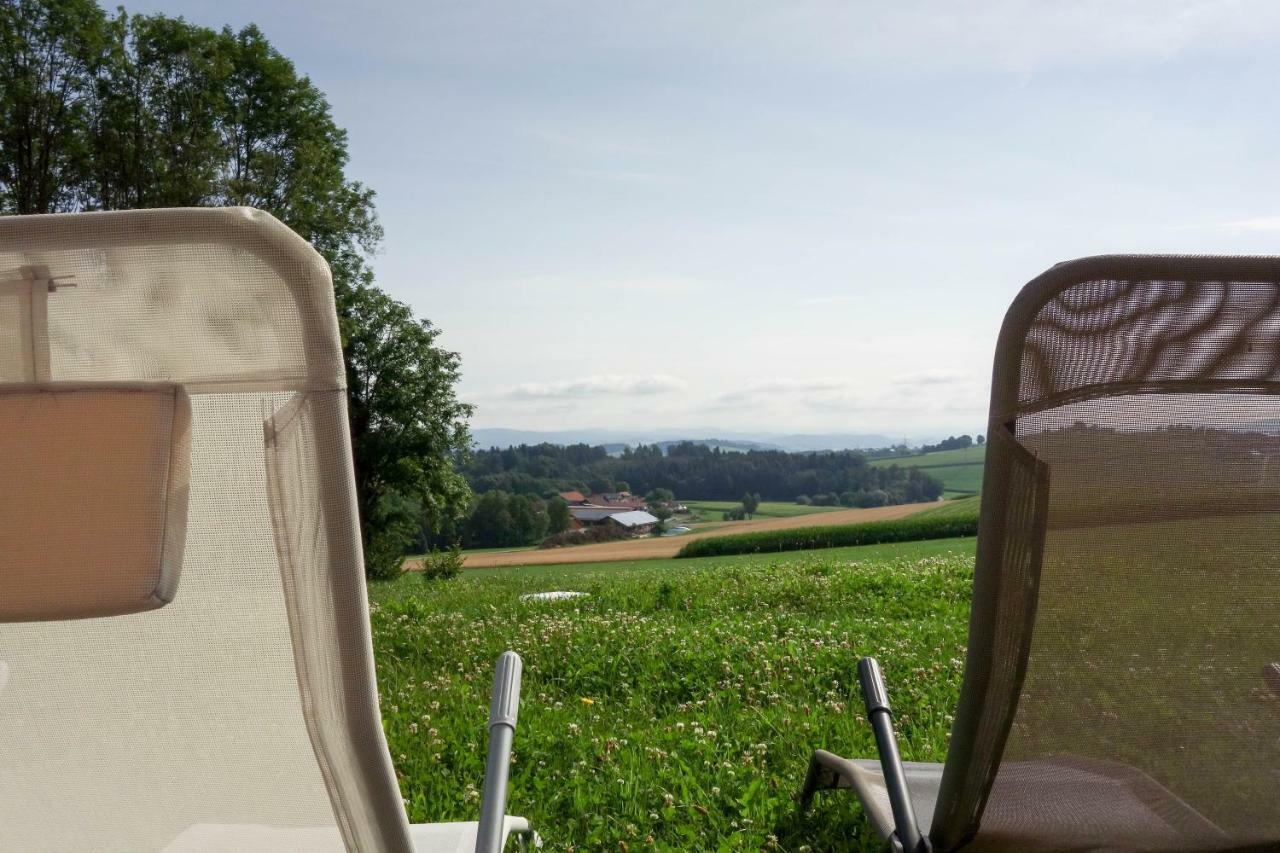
x,y
615,440
959,470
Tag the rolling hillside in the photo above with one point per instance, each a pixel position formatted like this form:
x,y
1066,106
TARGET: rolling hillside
x,y
959,470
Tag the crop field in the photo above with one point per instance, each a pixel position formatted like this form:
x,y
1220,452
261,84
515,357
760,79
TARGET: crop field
x,y
951,519
959,470
675,706
767,509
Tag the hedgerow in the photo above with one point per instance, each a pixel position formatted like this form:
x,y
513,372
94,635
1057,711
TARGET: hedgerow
x,y
925,525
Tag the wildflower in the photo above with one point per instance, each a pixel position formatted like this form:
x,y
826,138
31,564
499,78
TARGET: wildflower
x,y
586,701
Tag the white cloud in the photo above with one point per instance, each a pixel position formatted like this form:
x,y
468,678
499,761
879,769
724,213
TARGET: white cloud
x,y
595,386
835,299
777,387
1260,223
940,376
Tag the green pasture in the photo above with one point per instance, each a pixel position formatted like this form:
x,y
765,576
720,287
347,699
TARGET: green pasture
x,y
675,706
959,470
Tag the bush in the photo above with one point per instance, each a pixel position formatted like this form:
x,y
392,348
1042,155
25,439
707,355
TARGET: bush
x,y
865,500
909,529
392,539
736,514
442,565
804,500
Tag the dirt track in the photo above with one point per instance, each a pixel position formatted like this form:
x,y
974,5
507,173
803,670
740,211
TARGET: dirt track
x,y
653,547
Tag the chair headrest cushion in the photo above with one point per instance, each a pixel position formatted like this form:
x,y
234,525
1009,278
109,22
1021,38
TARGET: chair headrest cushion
x,y
93,498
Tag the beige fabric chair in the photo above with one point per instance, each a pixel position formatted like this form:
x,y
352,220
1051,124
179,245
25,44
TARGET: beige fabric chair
x,y
185,657
1119,692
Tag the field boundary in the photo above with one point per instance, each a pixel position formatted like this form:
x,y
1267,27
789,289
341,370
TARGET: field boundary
x,y
926,525
651,547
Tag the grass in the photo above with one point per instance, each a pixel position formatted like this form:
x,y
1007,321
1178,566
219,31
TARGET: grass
x,y
960,456
767,509
959,518
676,706
959,470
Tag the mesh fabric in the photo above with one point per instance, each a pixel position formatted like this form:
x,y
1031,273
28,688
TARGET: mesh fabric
x,y
249,700
1140,715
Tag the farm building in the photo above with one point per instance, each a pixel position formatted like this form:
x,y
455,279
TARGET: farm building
x,y
637,521
623,499
585,516
574,498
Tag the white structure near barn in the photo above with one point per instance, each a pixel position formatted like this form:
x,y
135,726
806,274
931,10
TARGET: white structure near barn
x,y
637,521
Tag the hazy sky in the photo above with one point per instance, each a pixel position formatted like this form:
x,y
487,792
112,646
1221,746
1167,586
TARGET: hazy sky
x,y
789,216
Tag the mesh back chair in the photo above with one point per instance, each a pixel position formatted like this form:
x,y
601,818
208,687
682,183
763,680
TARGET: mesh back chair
x,y
185,656
1121,690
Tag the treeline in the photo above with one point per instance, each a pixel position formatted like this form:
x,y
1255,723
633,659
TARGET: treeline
x,y
498,520
696,472
952,442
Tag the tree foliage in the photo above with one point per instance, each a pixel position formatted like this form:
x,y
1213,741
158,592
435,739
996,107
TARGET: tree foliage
x,y
951,442
500,520
102,112
559,519
696,472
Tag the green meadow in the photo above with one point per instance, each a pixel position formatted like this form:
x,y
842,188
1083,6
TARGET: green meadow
x,y
959,470
674,706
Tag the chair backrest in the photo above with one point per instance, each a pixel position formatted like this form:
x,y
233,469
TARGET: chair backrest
x,y
1126,602
188,645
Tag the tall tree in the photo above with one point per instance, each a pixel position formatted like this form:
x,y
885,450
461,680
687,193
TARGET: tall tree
x,y
559,519
407,425
151,111
52,51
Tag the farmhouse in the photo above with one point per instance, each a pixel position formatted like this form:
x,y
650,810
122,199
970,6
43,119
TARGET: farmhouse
x,y
574,498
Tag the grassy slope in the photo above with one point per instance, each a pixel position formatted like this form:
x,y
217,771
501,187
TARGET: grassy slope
x,y
959,470
707,683
967,455
959,508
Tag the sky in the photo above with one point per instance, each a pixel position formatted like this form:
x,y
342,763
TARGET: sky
x,y
775,217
